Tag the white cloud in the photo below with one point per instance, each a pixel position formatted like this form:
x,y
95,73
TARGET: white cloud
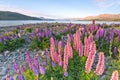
x,y
107,4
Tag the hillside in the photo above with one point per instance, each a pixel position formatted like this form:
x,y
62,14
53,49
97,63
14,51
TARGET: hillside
x,y
7,15
102,17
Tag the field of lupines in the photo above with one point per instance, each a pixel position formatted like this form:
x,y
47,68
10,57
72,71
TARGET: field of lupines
x,y
77,52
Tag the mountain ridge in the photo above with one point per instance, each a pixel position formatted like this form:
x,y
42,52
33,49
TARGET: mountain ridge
x,y
8,15
102,17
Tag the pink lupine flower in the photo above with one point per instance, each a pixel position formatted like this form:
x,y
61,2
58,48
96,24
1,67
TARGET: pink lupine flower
x,y
86,47
69,38
90,38
80,49
115,75
65,63
91,57
100,65
60,47
69,50
60,60
78,44
74,40
53,51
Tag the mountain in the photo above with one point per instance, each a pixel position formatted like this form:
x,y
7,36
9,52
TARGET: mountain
x,y
102,17
7,15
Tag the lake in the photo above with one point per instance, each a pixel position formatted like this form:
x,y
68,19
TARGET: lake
x,y
21,22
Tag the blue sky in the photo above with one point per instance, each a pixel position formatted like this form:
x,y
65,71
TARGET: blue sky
x,y
61,8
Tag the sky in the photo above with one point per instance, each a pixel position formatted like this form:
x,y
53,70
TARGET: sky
x,y
61,8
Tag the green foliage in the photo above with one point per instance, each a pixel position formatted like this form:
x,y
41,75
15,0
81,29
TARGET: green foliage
x,y
104,48
12,44
2,47
29,30
58,37
43,43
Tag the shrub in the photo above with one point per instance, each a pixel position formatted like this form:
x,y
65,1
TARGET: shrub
x,y
29,30
43,43
12,44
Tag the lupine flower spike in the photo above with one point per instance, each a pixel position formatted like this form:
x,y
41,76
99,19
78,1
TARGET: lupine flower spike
x,y
100,65
115,75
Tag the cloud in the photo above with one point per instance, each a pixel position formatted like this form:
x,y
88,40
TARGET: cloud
x,y
107,4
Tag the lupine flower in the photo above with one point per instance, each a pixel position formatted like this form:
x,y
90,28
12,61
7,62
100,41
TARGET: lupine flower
x,y
100,65
53,51
80,48
47,56
86,47
60,47
65,74
69,38
16,67
42,69
111,35
21,76
91,57
36,61
118,36
53,64
69,50
65,65
28,59
35,69
60,62
115,75
105,33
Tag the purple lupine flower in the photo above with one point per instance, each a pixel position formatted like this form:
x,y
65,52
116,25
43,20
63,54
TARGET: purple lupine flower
x,y
36,61
105,32
42,34
65,74
21,76
42,69
28,59
6,38
35,69
16,67
118,32
47,56
111,35
53,64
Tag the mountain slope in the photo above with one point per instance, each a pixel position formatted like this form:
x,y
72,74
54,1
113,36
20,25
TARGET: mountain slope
x,y
7,15
102,17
